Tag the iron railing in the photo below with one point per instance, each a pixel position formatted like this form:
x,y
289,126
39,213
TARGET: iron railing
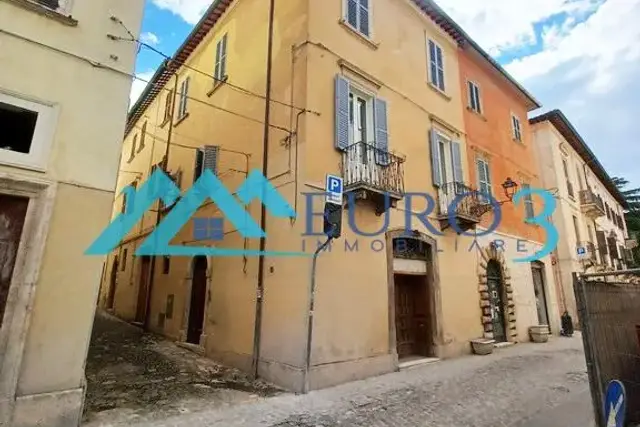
x,y
608,306
369,167
471,206
588,199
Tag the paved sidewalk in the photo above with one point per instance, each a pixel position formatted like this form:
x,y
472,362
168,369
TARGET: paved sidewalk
x,y
527,385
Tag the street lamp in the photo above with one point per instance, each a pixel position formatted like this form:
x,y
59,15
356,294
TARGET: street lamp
x,y
510,188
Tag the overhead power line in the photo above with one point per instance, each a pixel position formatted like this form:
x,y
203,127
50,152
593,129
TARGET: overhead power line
x,y
211,76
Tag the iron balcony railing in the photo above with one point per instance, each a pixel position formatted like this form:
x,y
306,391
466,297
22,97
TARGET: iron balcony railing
x,y
369,167
471,206
587,197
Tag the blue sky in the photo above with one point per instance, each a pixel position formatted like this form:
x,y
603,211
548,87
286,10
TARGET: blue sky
x,y
581,56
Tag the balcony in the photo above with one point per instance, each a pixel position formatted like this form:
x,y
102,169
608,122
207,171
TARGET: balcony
x,y
373,175
469,209
591,205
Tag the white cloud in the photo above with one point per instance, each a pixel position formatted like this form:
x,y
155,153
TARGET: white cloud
x,y
138,86
587,67
503,25
189,10
150,38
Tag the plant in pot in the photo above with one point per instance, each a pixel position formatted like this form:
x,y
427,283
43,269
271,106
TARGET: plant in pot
x,y
539,333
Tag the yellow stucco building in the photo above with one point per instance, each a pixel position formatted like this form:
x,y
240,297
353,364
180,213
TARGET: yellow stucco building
x,y
353,95
64,90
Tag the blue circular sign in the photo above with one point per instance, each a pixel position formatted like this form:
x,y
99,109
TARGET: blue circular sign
x,y
615,404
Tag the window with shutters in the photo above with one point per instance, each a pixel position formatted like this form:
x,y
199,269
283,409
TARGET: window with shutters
x,y
358,15
484,178
516,128
567,178
143,135
123,259
446,160
168,107
474,97
207,157
134,143
576,229
184,98
529,211
436,66
220,72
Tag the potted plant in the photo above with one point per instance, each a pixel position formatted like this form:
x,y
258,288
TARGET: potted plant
x,y
539,333
482,346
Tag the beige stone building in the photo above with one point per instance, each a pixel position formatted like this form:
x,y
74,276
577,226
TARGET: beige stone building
x,y
590,208
351,95
64,91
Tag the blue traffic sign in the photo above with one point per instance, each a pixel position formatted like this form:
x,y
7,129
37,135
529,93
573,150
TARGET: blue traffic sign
x,y
615,404
582,250
334,189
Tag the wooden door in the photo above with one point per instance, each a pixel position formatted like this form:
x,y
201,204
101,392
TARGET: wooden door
x,y
13,211
143,289
198,296
413,326
539,290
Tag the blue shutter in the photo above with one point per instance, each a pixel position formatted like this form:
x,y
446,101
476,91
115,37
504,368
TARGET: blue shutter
x,y
342,113
456,159
435,159
382,133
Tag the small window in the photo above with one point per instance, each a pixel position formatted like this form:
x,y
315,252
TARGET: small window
x,y
436,65
474,98
132,154
358,15
529,211
18,128
199,164
166,264
484,177
143,134
568,179
168,106
576,228
123,266
220,73
184,97
516,127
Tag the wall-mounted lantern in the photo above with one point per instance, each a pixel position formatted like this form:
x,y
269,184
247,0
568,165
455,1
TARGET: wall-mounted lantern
x,y
510,188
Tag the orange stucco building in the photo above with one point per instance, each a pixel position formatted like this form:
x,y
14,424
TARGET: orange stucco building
x,y
500,147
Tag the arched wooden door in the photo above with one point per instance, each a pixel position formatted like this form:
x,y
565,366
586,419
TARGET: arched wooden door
x,y
496,287
198,296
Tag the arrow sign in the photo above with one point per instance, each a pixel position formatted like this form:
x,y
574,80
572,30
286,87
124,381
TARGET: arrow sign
x,y
615,404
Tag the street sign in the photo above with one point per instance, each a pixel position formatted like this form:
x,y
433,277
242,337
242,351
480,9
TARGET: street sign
x,y
334,189
615,404
581,250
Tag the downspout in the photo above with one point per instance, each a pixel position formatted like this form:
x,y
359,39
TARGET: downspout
x,y
263,212
164,166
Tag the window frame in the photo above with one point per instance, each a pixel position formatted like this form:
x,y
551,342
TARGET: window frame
x,y
470,86
487,170
143,134
516,131
184,98
441,85
345,17
168,106
134,142
43,133
220,67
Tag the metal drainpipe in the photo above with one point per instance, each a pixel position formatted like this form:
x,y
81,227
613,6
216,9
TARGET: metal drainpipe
x,y
312,296
263,213
165,166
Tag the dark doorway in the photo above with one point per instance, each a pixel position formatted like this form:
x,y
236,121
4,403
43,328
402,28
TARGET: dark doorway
x,y
111,297
537,268
143,289
413,317
495,284
198,296
13,211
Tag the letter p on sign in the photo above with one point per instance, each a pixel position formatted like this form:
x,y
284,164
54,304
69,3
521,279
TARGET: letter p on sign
x,y
334,188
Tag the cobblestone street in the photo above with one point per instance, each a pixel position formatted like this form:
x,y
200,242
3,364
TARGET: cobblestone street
x,y
527,385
